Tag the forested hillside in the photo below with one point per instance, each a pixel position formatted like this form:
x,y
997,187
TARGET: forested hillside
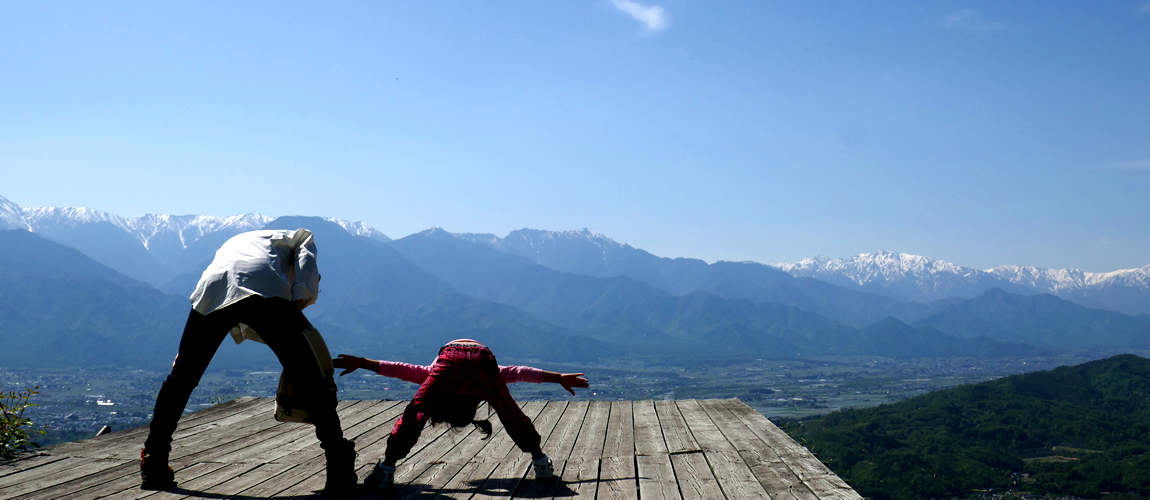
x,y
1080,430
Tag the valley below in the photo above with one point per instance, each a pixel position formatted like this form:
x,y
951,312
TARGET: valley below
x,y
74,403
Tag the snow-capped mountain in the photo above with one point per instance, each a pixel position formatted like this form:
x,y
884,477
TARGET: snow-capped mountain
x,y
1060,281
901,275
11,216
918,278
152,248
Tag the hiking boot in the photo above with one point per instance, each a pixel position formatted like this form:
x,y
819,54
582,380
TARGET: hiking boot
x,y
381,477
543,467
341,474
155,473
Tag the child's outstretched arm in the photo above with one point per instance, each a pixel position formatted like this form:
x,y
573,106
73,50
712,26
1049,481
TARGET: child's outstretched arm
x,y
351,363
404,371
567,380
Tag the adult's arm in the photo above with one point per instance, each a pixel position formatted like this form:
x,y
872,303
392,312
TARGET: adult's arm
x,y
305,287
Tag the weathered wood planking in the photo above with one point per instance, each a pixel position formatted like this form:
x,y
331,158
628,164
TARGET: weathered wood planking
x,y
625,450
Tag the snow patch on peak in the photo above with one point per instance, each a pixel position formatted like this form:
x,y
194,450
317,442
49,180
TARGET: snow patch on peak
x,y
879,267
190,228
45,217
358,228
482,238
1060,281
537,237
12,216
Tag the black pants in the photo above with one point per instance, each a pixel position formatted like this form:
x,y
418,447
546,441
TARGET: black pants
x,y
281,326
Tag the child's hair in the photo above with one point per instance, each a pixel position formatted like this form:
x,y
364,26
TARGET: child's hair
x,y
459,411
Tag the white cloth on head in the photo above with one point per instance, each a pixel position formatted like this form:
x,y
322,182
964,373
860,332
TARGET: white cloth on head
x,y
268,263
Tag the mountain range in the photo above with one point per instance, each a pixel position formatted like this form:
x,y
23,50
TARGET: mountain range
x,y
544,295
916,278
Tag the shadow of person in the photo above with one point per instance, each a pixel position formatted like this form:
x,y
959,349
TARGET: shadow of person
x,y
204,494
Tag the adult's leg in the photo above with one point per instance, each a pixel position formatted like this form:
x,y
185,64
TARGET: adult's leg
x,y
280,324
201,338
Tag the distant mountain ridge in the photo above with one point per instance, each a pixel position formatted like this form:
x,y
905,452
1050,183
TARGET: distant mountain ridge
x,y
153,248
922,279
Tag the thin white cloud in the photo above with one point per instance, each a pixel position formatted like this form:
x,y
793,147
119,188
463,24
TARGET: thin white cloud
x,y
1145,8
653,17
1132,165
968,20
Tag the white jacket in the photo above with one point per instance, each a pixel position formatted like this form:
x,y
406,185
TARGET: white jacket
x,y
268,263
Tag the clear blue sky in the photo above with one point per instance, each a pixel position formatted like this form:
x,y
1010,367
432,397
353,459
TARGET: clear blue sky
x,y
983,133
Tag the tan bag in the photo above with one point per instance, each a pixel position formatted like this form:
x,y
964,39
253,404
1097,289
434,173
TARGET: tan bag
x,y
289,403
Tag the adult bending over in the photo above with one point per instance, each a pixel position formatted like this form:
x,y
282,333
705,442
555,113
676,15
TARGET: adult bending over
x,y
256,288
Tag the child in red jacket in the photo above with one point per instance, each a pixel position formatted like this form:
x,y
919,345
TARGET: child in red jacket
x,y
464,373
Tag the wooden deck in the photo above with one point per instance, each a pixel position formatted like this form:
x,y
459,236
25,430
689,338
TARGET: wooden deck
x,y
705,449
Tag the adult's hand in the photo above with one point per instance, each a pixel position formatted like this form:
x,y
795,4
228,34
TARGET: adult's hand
x,y
569,380
348,363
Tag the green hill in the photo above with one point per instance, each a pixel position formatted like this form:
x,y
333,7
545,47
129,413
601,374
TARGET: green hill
x,y
1080,430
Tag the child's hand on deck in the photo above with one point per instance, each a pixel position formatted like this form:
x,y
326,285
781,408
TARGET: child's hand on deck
x,y
348,362
569,380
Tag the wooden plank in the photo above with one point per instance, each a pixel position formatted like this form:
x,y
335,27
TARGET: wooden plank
x,y
692,472
779,481
278,437
123,481
62,490
557,446
648,433
56,473
24,464
440,472
656,477
258,427
580,474
472,469
273,484
132,477
734,475
301,450
232,487
189,473
195,487
429,442
653,462
696,481
815,475
376,423
506,475
421,472
126,444
617,477
675,432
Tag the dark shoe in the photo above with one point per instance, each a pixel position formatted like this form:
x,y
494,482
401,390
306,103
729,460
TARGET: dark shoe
x,y
341,475
381,477
155,473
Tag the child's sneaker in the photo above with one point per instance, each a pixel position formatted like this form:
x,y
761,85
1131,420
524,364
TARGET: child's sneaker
x,y
381,477
543,467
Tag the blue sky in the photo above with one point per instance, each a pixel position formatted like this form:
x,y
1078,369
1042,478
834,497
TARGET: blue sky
x,y
984,133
